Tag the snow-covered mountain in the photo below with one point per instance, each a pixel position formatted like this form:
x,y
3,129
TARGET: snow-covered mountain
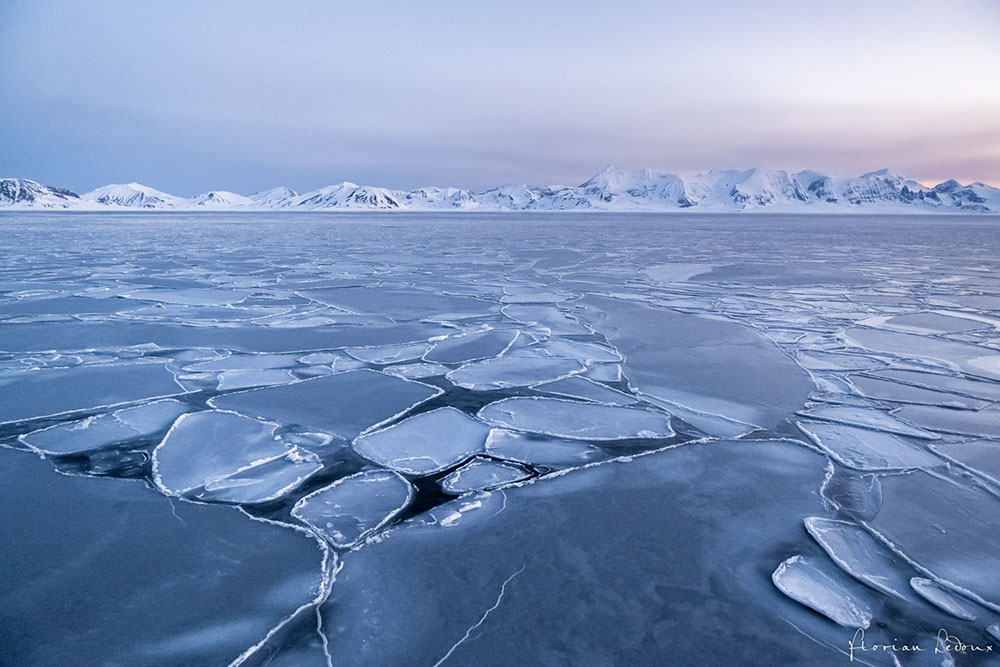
x,y
132,195
22,193
611,189
221,199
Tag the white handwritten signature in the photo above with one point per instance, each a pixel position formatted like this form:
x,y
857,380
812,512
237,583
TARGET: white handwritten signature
x,y
945,642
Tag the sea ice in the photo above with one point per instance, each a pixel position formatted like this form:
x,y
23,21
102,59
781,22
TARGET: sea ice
x,y
578,387
105,430
944,599
353,508
113,573
870,419
860,555
29,394
865,449
570,419
481,474
638,554
982,457
226,457
471,347
549,317
971,359
823,589
425,443
541,450
947,528
989,391
388,354
983,423
243,362
242,379
707,365
887,390
512,371
421,369
343,404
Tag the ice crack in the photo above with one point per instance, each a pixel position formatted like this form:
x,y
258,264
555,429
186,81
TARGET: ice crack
x,y
468,633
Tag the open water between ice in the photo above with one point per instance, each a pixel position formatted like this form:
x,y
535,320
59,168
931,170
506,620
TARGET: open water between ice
x,y
499,439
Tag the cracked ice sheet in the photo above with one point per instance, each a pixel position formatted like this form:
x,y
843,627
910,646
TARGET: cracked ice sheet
x,y
226,457
693,515
426,443
986,390
578,387
861,555
949,529
121,556
105,430
865,449
405,304
471,347
875,420
354,507
571,419
512,371
887,390
29,394
982,457
972,359
984,423
706,365
344,404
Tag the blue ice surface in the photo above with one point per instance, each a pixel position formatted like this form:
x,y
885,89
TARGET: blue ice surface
x,y
677,353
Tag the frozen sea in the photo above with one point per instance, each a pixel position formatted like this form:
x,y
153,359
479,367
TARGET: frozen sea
x,y
499,439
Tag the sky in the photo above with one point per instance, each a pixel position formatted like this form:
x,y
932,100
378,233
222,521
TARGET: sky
x,y
250,94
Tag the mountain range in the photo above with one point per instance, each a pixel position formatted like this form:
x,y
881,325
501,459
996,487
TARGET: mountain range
x,y
610,190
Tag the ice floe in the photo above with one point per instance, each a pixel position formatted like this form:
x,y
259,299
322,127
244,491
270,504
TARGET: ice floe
x,y
870,419
865,449
574,420
947,528
388,354
354,507
944,599
105,430
471,347
343,404
227,457
540,450
512,371
860,555
30,394
806,581
588,390
483,474
425,443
